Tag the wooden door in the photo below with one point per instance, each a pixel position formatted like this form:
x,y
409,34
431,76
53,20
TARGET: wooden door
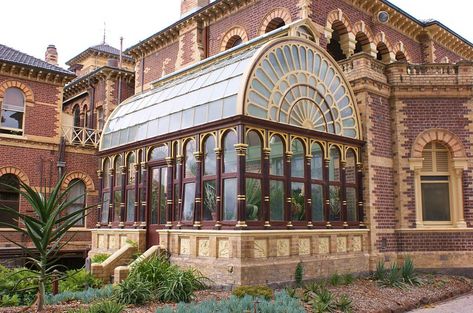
x,y
157,198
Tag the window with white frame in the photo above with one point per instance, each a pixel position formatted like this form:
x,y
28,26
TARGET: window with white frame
x,y
12,113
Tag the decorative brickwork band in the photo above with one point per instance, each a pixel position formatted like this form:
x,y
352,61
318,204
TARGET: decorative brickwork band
x,y
15,171
278,13
231,34
89,183
441,135
15,84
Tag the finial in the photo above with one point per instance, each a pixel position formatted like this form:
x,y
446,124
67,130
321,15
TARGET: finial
x,y
104,31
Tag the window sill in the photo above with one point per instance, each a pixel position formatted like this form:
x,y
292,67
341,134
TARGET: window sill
x,y
79,229
22,137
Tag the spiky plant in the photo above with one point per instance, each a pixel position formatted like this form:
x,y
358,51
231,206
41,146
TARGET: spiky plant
x,y
46,228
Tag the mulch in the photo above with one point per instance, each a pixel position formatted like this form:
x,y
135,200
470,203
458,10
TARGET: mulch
x,y
366,295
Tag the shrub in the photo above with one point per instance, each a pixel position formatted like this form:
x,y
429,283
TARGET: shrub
x,y
380,272
179,285
100,257
101,307
86,296
134,291
335,280
282,303
344,304
254,291
348,279
78,281
408,273
298,275
19,282
10,300
323,301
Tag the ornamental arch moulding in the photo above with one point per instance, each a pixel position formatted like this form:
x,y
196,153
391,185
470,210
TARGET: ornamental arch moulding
x,y
400,52
441,135
295,82
384,48
273,19
17,172
89,183
29,96
338,31
231,36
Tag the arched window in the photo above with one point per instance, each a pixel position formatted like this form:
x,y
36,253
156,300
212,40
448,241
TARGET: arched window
x,y
233,42
105,191
77,195
297,181
382,52
334,46
276,182
13,109
117,187
8,197
130,188
76,115
401,57
209,180
362,43
158,153
435,183
351,190
334,185
253,176
86,116
317,183
275,23
100,118
190,167
229,177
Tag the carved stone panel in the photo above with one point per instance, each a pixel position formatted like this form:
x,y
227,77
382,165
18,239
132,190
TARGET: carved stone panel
x,y
260,248
341,244
304,246
223,248
324,245
283,247
184,246
357,244
203,247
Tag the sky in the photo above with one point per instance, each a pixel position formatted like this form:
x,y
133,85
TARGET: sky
x,y
73,26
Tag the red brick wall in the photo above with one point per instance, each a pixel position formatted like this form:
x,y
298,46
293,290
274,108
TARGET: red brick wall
x,y
435,241
383,196
441,52
154,63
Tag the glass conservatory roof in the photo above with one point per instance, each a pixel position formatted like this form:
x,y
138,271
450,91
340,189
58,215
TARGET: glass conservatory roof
x,y
286,80
203,96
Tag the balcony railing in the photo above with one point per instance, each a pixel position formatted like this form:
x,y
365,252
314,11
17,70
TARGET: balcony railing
x,y
81,136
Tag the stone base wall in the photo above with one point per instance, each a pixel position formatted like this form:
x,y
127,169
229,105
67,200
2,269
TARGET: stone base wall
x,y
267,257
109,240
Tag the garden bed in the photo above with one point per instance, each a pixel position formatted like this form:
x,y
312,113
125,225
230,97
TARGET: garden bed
x,y
366,296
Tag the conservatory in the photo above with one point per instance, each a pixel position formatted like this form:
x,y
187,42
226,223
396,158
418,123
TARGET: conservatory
x,y
251,154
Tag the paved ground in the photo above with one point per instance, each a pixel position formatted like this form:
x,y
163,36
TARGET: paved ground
x,y
463,304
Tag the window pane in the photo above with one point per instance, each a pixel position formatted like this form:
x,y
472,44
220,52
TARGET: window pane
x,y
12,119
350,168
130,205
155,185
276,157
276,200
105,207
334,166
9,198
297,202
77,194
297,160
117,198
189,200
118,172
316,163
158,153
210,200
351,204
106,174
229,199
253,199
163,195
176,201
335,204
229,153
253,153
190,163
131,169
210,160
435,202
317,203
14,99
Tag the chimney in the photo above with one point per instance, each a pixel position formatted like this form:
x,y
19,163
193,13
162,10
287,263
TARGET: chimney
x,y
190,6
51,55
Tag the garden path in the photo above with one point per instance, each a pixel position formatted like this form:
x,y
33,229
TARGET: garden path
x,y
463,304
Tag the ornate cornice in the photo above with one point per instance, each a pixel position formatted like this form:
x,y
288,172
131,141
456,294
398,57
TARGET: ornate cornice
x,y
34,73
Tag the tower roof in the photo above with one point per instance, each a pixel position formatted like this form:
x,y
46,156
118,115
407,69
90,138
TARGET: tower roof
x,y
100,49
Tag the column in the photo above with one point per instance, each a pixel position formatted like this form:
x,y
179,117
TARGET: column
x,y
241,148
99,206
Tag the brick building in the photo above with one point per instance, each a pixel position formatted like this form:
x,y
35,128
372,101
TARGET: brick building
x,y
335,133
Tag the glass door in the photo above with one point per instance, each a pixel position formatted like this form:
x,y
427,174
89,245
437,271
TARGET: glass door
x,y
158,193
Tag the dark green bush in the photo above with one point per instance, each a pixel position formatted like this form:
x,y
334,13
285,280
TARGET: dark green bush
x,y
396,276
254,291
348,279
335,280
344,304
79,280
134,291
100,257
299,273
18,283
7,300
380,272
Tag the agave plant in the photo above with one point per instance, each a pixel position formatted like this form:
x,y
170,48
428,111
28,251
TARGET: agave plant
x,y
46,228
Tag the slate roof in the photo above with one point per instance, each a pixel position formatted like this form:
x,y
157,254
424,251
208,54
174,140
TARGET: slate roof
x,y
11,55
104,48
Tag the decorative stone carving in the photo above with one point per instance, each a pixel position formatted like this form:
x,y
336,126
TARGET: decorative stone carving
x,y
304,246
111,241
101,244
223,248
324,245
357,245
184,246
260,248
283,247
203,247
341,244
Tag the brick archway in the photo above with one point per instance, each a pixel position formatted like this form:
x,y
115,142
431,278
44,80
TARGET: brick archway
x,y
338,15
89,183
361,27
281,13
29,97
381,38
234,31
441,135
15,171
400,47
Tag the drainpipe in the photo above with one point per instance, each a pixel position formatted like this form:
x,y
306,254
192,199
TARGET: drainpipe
x,y
91,91
142,71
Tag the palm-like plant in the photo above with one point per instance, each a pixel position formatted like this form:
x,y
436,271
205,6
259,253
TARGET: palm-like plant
x,y
46,228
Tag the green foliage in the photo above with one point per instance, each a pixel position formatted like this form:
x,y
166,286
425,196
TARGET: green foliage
x,y
134,291
348,279
79,280
282,303
336,280
156,278
100,257
10,300
396,276
298,275
20,282
291,292
86,296
323,301
46,228
344,304
254,291
102,307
